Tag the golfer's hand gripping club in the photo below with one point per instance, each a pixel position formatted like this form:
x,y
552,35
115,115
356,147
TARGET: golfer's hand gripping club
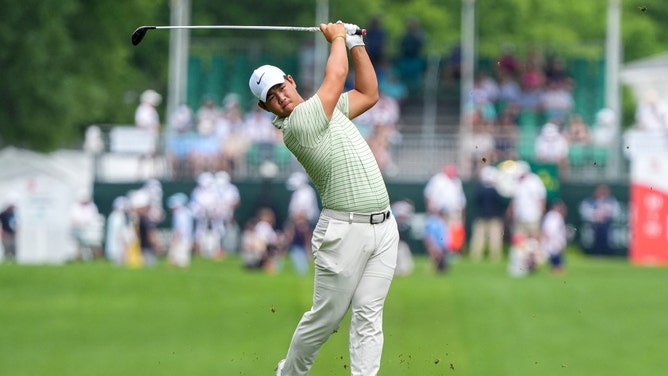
x,y
353,39
352,29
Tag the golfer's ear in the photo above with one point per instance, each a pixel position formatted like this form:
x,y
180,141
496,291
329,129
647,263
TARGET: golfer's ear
x,y
262,105
291,80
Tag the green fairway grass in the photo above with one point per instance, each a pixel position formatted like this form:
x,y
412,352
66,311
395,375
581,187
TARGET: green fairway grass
x,y
601,317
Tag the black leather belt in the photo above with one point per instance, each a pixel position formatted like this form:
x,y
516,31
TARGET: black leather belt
x,y
373,218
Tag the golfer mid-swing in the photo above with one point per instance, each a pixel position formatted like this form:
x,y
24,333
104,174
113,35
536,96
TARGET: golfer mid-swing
x,y
355,240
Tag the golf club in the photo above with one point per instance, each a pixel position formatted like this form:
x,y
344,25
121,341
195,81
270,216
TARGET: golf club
x,y
140,32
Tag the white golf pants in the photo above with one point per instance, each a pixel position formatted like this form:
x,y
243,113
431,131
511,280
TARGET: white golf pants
x,y
354,266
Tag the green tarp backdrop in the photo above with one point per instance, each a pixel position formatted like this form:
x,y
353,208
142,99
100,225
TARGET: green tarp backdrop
x,y
274,194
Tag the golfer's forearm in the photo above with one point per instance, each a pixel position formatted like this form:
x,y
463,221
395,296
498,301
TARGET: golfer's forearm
x,y
337,62
365,75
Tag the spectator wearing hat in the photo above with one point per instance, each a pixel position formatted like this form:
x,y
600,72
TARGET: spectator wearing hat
x,y
84,216
148,119
146,115
181,244
118,231
552,147
527,205
488,224
147,234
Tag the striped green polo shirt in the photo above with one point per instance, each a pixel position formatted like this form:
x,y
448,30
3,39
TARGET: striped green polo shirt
x,y
335,156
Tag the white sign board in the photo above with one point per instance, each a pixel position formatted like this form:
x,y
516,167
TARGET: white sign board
x,y
131,140
43,225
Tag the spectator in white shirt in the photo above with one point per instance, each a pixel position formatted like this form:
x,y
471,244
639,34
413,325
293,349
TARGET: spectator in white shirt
x,y
552,147
554,235
527,205
148,119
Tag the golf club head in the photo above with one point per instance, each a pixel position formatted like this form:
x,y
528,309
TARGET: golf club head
x,y
139,33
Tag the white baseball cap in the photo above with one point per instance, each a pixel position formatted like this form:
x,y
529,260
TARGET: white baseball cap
x,y
151,96
263,79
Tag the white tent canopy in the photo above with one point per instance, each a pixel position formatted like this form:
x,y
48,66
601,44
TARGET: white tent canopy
x,y
647,74
648,80
75,168
43,188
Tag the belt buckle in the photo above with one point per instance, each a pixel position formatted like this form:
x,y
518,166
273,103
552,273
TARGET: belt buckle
x,y
383,217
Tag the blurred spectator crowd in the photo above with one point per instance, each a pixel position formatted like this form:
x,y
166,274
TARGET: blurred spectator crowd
x,y
203,223
224,138
512,219
218,138
525,109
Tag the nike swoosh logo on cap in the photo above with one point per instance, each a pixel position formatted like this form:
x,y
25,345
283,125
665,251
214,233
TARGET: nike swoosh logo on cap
x,y
260,79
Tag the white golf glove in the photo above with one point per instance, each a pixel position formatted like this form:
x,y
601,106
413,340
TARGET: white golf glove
x,y
352,39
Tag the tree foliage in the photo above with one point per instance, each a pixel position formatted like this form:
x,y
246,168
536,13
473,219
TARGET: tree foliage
x,y
69,63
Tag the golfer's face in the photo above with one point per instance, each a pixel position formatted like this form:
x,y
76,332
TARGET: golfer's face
x,y
282,98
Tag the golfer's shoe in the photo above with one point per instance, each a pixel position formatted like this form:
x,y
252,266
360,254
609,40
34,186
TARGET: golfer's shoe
x,y
279,368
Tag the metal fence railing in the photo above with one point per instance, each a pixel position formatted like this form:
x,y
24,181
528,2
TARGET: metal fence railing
x,y
413,157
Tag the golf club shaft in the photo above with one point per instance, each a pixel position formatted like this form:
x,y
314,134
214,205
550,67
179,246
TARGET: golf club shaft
x,y
241,27
140,32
